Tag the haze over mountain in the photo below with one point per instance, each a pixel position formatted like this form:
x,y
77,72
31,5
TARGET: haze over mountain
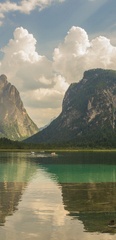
x,y
15,123
88,116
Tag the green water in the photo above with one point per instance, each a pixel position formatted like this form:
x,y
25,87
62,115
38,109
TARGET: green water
x,y
71,196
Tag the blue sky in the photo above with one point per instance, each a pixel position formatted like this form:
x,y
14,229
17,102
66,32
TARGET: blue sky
x,y
48,44
50,25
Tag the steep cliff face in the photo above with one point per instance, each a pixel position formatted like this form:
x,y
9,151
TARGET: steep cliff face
x,y
15,123
88,112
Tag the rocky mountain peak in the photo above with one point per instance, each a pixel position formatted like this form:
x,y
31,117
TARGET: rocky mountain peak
x,y
3,81
88,114
15,123
3,77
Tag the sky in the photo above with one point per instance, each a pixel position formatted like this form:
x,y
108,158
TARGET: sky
x,y
45,45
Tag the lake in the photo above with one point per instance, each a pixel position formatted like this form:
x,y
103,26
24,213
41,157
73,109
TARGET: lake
x,y
70,196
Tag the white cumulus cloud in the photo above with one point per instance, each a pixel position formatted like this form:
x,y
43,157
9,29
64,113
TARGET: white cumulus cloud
x,y
77,53
42,82
25,6
29,69
32,74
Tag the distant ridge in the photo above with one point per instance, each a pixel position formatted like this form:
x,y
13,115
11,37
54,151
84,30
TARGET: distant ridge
x,y
15,123
88,116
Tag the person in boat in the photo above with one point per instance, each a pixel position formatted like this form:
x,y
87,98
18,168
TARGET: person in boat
x,y
112,223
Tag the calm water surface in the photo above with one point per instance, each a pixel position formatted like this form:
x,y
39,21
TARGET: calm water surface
x,y
71,196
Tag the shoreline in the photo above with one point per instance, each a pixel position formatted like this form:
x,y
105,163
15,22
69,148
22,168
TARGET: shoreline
x,y
57,150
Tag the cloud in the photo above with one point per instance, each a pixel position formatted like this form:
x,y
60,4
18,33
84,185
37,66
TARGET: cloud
x,y
32,74
30,70
77,54
25,6
42,83
42,116
47,97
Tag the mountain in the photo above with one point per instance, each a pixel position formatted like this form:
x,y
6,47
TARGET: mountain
x,y
88,116
15,123
45,126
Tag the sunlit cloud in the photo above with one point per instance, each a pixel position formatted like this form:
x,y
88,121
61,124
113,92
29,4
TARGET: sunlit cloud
x,y
77,54
42,82
33,75
25,6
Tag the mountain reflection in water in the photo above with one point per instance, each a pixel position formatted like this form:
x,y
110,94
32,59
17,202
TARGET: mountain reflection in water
x,y
10,195
15,172
71,196
88,190
94,204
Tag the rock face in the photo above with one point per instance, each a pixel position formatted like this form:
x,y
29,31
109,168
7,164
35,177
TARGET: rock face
x,y
15,123
88,116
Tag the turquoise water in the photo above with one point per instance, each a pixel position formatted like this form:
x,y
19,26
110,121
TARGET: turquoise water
x,y
69,196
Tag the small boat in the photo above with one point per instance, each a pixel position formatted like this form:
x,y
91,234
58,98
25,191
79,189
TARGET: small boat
x,y
53,154
32,153
112,224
